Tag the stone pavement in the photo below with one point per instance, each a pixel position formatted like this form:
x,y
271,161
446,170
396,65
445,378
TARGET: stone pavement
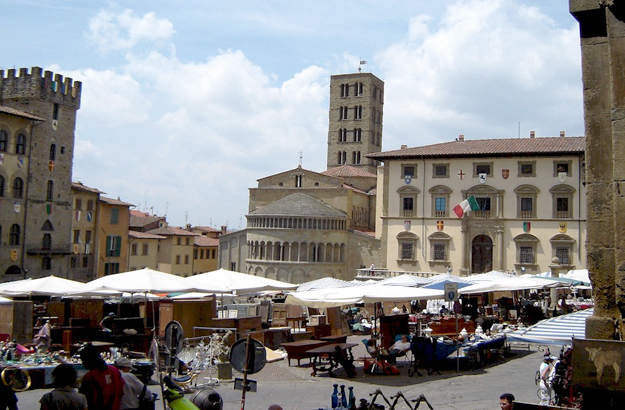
x,y
295,389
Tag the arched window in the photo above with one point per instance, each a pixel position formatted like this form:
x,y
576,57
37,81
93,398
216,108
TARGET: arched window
x,y
14,236
4,140
20,144
46,243
47,226
18,188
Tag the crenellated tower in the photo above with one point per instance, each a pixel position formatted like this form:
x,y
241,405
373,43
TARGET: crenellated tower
x,y
39,152
355,120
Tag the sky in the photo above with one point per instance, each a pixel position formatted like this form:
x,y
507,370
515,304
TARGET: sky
x,y
186,104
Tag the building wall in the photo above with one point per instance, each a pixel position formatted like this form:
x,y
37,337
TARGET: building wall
x,y
372,98
108,228
84,236
56,100
425,228
176,258
141,259
205,259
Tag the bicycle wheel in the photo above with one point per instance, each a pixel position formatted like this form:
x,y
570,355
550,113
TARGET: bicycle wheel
x,y
18,379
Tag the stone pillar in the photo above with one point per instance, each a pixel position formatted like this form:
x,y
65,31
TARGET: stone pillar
x,y
499,249
555,273
466,250
602,31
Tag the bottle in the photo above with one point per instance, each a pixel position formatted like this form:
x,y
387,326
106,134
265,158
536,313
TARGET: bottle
x,y
352,399
335,397
343,397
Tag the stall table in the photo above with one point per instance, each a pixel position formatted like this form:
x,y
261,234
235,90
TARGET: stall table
x,y
328,357
299,350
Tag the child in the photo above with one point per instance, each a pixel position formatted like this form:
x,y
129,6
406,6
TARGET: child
x,y
64,396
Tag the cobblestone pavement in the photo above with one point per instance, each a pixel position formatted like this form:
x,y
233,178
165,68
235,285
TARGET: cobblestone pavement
x,y
295,389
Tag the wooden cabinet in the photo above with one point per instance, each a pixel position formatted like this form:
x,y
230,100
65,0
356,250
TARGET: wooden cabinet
x,y
391,326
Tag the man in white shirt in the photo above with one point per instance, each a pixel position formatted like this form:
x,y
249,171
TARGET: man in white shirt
x,y
132,385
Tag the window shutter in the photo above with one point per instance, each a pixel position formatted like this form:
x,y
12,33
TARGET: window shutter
x,y
108,246
118,245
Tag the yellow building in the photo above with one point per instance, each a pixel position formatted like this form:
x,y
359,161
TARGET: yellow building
x,y
175,254
84,232
143,251
205,254
530,193
113,221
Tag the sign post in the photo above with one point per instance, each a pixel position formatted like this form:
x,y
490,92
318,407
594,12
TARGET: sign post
x,y
451,295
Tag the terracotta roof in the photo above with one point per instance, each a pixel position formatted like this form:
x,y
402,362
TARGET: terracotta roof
x,y
206,229
491,148
368,232
18,113
348,171
112,201
79,186
140,221
144,235
299,205
352,188
205,241
172,231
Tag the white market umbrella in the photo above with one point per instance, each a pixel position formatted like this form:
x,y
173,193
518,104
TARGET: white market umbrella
x,y
489,276
439,281
509,284
48,286
5,300
558,330
148,281
238,282
578,274
324,283
360,294
405,280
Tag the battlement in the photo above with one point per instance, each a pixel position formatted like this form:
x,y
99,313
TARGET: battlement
x,y
38,84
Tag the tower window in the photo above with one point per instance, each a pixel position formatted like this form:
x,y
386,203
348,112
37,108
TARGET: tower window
x,y
52,152
357,134
4,140
18,188
50,191
20,145
55,112
358,112
1,186
14,235
298,181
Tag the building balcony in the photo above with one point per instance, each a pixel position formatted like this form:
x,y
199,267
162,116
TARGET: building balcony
x,y
380,274
59,250
481,214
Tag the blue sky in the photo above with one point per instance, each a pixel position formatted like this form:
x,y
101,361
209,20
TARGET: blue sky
x,y
187,103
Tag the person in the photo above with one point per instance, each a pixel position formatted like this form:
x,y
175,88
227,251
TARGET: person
x,y
372,269
372,349
505,401
400,346
444,311
102,384
275,407
132,385
43,338
107,322
544,372
64,396
8,399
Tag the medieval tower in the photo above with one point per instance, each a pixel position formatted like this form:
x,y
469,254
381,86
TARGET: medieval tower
x,y
355,126
36,217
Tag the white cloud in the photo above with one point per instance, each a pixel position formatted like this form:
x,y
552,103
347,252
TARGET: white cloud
x,y
112,30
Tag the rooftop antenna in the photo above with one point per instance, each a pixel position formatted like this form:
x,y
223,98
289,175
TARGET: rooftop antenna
x,y
519,129
362,62
301,155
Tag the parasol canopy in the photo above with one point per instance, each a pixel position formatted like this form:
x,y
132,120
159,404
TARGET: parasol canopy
x,y
241,283
324,283
405,280
360,294
558,330
510,284
48,286
148,280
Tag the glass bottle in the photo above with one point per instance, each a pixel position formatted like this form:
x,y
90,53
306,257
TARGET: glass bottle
x,y
352,399
335,397
343,397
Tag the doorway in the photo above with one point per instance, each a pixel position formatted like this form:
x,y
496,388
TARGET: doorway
x,y
481,254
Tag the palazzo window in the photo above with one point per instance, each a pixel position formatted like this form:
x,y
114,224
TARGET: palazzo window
x,y
526,169
46,242
358,112
407,244
18,188
440,200
1,186
526,248
562,248
482,168
439,247
562,166
46,263
408,170
526,201
20,144
562,197
14,235
4,140
408,201
440,171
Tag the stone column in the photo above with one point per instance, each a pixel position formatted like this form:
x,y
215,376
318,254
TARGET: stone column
x,y
466,250
602,31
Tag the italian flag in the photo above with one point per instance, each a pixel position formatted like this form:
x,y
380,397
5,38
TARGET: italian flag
x,y
469,204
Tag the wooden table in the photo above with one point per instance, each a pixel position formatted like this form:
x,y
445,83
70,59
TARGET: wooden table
x,y
335,338
299,350
327,358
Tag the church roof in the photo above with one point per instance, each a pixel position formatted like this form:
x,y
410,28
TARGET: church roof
x,y
344,171
490,148
299,204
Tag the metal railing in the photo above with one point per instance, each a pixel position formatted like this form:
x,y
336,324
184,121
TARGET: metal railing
x,y
379,274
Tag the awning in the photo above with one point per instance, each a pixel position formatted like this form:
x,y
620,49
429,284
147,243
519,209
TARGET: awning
x,y
558,330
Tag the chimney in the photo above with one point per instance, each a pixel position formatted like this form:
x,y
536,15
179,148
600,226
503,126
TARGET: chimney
x,y
562,134
461,137
224,229
404,146
532,134
189,227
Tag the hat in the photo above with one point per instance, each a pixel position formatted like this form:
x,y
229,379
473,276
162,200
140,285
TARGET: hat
x,y
123,362
111,314
547,357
